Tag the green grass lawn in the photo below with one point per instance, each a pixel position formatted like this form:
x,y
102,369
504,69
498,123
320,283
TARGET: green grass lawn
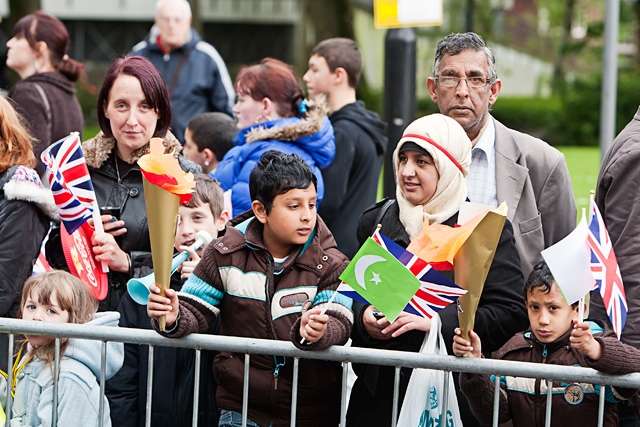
x,y
584,165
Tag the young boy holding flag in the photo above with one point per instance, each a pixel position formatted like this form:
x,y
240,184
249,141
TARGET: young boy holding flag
x,y
554,337
257,278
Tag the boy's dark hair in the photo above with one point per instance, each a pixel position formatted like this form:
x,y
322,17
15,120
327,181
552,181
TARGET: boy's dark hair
x,y
214,131
541,277
343,53
275,174
207,190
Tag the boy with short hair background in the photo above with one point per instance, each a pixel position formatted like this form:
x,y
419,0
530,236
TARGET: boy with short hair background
x,y
173,367
259,279
334,70
555,337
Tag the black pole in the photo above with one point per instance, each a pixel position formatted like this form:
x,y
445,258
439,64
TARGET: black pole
x,y
399,93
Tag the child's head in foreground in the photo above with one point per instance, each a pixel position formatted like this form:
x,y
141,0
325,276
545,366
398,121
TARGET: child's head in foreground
x,y
55,296
550,315
205,211
283,189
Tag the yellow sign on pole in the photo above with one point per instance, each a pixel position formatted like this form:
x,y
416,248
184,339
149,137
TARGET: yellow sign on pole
x,y
407,13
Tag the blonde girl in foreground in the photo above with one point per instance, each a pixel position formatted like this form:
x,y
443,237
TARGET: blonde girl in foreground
x,y
57,296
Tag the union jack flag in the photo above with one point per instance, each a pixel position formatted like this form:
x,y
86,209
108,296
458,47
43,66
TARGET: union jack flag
x,y
605,269
435,292
69,180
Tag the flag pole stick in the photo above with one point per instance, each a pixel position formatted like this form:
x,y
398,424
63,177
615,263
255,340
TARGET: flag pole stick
x,y
582,300
97,225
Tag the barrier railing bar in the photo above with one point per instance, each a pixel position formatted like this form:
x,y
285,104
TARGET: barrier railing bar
x,y
547,414
396,396
245,390
496,401
147,406
8,408
196,388
601,399
335,353
103,381
294,390
445,399
343,397
341,354
56,378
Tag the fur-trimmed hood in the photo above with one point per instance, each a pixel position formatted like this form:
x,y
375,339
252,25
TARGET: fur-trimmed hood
x,y
97,149
23,183
290,129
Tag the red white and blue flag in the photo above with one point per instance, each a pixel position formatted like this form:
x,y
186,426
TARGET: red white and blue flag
x,y
70,182
435,292
605,269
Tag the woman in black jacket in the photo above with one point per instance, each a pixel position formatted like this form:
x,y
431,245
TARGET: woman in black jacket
x,y
430,162
133,106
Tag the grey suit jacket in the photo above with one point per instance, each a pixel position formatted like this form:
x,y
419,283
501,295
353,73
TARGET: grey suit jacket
x,y
532,177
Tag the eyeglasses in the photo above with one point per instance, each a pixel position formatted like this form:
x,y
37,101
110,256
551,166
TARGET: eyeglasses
x,y
475,82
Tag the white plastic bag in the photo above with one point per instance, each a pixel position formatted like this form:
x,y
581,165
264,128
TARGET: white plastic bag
x,y
422,406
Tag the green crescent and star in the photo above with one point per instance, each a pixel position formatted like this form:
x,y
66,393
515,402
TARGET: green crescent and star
x,y
381,279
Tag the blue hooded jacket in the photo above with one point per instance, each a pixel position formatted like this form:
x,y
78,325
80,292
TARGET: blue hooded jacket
x,y
310,137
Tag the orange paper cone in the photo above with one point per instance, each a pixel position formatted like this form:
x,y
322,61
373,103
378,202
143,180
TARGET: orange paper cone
x,y
162,214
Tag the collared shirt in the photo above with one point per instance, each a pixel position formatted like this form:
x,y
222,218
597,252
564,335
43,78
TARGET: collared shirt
x,y
481,180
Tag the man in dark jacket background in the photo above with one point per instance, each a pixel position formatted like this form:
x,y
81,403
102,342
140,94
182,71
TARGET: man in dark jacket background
x,y
351,180
194,72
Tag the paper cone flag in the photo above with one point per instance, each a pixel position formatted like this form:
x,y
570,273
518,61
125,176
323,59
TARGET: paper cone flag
x,y
473,261
570,263
166,185
438,244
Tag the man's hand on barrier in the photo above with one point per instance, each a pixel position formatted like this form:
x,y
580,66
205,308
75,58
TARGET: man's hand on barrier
x,y
464,348
582,340
406,322
159,306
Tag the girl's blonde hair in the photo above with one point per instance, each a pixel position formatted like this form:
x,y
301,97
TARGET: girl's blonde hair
x,y
15,141
73,295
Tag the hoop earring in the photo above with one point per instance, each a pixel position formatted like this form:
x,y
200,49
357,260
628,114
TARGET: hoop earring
x,y
259,119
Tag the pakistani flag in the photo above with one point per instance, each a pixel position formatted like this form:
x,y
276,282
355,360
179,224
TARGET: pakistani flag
x,y
381,279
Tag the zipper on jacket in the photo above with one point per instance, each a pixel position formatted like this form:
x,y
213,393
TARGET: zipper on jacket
x,y
277,371
544,354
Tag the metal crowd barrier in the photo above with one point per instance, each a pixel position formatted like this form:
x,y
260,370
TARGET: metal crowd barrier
x,y
345,355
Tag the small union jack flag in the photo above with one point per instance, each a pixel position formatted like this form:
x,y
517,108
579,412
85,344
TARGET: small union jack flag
x,y
605,269
69,180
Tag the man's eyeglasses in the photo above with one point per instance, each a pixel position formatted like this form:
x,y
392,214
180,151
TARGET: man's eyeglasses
x,y
475,82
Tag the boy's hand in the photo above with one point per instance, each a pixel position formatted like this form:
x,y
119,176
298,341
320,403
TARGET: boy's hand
x,y
312,325
464,348
583,341
374,326
159,306
189,265
406,322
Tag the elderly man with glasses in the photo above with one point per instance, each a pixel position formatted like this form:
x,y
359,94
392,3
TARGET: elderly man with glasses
x,y
506,165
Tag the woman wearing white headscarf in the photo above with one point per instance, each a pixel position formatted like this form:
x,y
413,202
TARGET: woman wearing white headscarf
x,y
431,162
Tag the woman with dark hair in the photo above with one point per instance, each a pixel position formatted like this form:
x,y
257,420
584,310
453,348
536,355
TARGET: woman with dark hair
x,y
133,106
273,115
45,95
